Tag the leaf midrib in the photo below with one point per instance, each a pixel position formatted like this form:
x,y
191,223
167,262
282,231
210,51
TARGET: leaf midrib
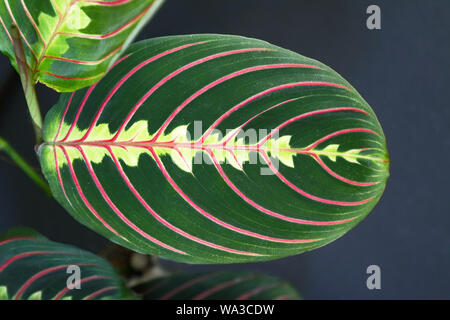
x,y
209,147
54,34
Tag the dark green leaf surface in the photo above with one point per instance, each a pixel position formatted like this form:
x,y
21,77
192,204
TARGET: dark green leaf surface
x,y
217,286
35,268
70,44
139,157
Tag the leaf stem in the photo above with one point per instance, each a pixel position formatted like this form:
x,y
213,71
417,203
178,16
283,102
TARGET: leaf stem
x,y
29,89
22,164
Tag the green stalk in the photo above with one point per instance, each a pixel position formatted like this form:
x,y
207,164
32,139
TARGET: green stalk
x,y
29,89
21,163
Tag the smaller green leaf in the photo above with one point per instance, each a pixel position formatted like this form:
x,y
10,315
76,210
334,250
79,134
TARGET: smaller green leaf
x,y
70,44
35,268
217,286
20,232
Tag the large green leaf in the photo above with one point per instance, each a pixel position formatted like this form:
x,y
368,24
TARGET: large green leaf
x,y
217,286
127,158
70,44
35,268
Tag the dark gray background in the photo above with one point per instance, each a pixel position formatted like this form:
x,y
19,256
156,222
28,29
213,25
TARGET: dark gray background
x,y
401,70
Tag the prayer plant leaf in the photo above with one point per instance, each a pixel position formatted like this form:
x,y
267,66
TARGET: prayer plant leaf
x,y
70,44
35,268
217,286
216,149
